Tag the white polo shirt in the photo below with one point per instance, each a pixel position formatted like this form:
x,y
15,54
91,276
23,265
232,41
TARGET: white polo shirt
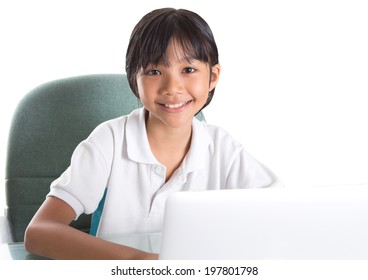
x,y
117,155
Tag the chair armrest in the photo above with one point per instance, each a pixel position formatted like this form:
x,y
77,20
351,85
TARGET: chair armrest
x,y
5,232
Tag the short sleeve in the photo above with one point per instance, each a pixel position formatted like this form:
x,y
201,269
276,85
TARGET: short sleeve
x,y
246,172
82,185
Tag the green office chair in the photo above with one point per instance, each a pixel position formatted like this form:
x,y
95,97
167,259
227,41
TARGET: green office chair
x,y
47,125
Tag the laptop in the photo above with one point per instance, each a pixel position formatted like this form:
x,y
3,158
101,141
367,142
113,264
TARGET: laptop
x,y
314,223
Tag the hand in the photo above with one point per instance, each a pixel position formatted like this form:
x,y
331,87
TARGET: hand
x,y
150,256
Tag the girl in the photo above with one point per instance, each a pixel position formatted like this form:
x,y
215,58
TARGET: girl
x,y
172,67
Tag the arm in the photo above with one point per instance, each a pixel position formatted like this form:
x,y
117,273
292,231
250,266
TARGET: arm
x,y
49,234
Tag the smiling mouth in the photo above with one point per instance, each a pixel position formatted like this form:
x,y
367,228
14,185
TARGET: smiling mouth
x,y
175,106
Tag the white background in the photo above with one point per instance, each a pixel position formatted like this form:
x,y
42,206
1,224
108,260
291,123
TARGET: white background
x,y
294,73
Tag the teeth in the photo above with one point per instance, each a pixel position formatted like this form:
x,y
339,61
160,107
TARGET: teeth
x,y
174,106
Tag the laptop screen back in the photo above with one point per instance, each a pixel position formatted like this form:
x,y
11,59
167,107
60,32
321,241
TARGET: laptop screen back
x,y
273,223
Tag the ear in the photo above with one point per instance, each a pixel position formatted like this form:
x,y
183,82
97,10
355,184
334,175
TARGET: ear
x,y
215,75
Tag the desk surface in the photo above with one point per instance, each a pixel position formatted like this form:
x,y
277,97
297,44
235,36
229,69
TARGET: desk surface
x,y
147,242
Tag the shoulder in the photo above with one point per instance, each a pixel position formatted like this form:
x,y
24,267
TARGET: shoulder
x,y
219,138
115,128
112,126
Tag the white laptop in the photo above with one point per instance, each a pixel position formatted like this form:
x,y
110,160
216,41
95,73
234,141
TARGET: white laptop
x,y
274,223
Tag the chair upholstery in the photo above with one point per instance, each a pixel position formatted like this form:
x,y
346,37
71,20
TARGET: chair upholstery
x,y
47,125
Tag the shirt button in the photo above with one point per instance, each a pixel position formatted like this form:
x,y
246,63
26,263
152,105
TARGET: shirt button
x,y
159,170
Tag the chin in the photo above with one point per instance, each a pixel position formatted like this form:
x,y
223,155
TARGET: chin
x,y
178,122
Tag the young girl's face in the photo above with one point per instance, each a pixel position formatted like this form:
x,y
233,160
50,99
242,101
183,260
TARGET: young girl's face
x,y
174,93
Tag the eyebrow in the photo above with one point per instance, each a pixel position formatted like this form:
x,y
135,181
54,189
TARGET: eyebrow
x,y
185,59
188,58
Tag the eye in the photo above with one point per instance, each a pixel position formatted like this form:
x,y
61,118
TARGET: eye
x,y
153,72
188,70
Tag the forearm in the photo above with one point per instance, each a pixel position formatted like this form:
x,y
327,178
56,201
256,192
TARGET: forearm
x,y
59,241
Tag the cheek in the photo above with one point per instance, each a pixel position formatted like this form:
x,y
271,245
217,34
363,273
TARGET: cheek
x,y
140,86
143,89
146,91
200,87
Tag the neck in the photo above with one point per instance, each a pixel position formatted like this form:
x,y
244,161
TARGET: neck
x,y
160,135
169,145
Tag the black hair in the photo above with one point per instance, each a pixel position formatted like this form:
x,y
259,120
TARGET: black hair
x,y
153,33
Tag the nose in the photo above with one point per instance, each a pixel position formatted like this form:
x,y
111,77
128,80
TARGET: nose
x,y
172,84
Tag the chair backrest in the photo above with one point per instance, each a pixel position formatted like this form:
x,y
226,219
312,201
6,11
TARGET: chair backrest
x,y
47,125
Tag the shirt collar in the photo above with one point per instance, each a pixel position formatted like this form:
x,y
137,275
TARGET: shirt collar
x,y
196,156
138,148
